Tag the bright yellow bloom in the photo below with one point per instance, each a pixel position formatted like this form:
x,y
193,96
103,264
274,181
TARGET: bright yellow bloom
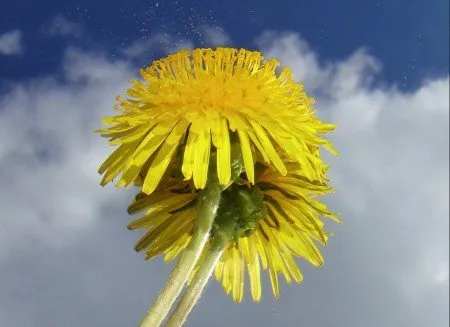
x,y
288,229
191,100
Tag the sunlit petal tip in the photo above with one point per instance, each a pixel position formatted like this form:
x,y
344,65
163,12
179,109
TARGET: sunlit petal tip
x,y
336,217
121,183
148,188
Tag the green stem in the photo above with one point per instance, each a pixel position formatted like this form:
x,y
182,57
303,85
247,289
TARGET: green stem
x,y
191,296
195,289
209,203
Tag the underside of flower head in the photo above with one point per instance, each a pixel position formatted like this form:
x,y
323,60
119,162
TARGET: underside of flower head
x,y
277,219
195,101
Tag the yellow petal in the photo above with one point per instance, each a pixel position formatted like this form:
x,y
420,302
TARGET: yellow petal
x,y
112,172
258,145
301,212
276,256
152,234
218,269
259,242
154,214
132,136
272,271
159,164
247,156
227,271
254,271
268,146
287,257
177,246
201,158
179,226
223,153
188,157
143,201
144,151
238,273
121,152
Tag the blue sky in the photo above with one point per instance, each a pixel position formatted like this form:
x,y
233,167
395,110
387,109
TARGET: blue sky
x,y
379,70
411,38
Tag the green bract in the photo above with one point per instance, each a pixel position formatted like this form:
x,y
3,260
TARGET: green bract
x,y
240,209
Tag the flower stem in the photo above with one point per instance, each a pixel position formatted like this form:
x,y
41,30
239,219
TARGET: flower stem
x,y
219,242
193,292
209,203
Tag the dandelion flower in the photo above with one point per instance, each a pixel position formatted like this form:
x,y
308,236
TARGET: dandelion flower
x,y
193,100
286,226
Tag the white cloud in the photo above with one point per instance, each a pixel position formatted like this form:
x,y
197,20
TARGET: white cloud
x,y
214,36
440,272
61,26
159,41
11,43
389,260
49,153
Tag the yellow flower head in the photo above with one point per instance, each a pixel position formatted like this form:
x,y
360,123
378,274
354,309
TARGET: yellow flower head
x,y
191,101
286,225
